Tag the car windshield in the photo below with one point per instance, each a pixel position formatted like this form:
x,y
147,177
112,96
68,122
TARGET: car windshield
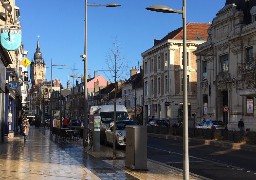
x,y
122,124
107,117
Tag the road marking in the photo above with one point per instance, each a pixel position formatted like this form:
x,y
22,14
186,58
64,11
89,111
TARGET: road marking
x,y
201,159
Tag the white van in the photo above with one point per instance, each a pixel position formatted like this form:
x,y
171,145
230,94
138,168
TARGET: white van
x,y
106,113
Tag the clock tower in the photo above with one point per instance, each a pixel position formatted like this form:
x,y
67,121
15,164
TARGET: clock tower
x,y
38,67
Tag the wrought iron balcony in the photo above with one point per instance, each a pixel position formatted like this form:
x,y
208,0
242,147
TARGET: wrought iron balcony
x,y
247,67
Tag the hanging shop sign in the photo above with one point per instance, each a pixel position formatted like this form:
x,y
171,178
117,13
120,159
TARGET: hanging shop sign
x,y
11,39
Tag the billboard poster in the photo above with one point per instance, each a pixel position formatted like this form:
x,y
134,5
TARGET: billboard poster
x,y
249,105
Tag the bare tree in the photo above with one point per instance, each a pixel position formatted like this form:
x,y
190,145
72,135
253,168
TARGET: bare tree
x,y
117,68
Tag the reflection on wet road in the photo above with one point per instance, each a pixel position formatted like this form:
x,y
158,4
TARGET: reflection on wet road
x,y
40,158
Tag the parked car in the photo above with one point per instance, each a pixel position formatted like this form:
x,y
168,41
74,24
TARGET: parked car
x,y
209,124
159,122
120,137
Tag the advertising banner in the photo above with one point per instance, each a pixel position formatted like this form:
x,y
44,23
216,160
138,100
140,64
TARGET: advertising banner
x,y
97,120
249,106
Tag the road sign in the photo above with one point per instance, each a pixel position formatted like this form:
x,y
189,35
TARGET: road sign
x,y
25,62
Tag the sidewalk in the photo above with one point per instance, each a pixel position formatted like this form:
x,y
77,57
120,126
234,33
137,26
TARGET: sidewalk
x,y
40,158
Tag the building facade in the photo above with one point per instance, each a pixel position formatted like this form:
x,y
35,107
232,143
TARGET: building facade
x,y
226,66
163,73
11,75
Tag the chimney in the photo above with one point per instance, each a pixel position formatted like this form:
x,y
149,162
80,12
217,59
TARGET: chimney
x,y
95,74
68,84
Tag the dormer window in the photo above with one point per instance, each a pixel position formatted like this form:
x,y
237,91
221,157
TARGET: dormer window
x,y
253,14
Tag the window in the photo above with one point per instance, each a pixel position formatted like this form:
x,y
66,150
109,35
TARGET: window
x,y
152,86
146,69
158,62
182,84
152,65
253,13
204,70
187,59
158,85
224,63
166,84
249,54
165,60
146,88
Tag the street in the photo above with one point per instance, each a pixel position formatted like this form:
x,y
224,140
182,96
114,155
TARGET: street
x,y
205,160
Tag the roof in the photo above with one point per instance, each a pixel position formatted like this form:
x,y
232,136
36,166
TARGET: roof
x,y
136,80
244,6
195,31
102,82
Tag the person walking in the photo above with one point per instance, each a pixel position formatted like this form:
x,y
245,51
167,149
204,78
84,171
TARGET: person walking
x,y
25,127
241,125
65,122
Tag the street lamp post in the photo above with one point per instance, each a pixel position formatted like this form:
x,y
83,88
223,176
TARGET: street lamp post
x,y
84,57
165,9
51,91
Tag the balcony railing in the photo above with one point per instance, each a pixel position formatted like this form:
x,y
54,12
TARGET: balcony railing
x,y
246,68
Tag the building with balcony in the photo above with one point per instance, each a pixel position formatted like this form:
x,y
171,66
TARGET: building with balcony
x,y
163,73
226,87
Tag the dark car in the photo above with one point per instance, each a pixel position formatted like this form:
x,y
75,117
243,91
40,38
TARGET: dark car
x,y
209,124
158,122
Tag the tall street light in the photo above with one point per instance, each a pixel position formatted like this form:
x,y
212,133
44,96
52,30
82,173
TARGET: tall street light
x,y
166,9
84,57
51,90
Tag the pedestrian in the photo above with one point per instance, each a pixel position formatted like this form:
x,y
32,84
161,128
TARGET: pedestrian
x,y
65,122
54,122
20,124
241,125
25,126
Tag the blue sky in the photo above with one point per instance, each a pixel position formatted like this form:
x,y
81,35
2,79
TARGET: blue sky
x,y
60,25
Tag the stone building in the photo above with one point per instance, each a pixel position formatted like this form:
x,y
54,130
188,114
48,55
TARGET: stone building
x,y
163,73
38,67
226,66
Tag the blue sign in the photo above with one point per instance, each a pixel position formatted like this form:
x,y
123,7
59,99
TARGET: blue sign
x,y
11,39
13,84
